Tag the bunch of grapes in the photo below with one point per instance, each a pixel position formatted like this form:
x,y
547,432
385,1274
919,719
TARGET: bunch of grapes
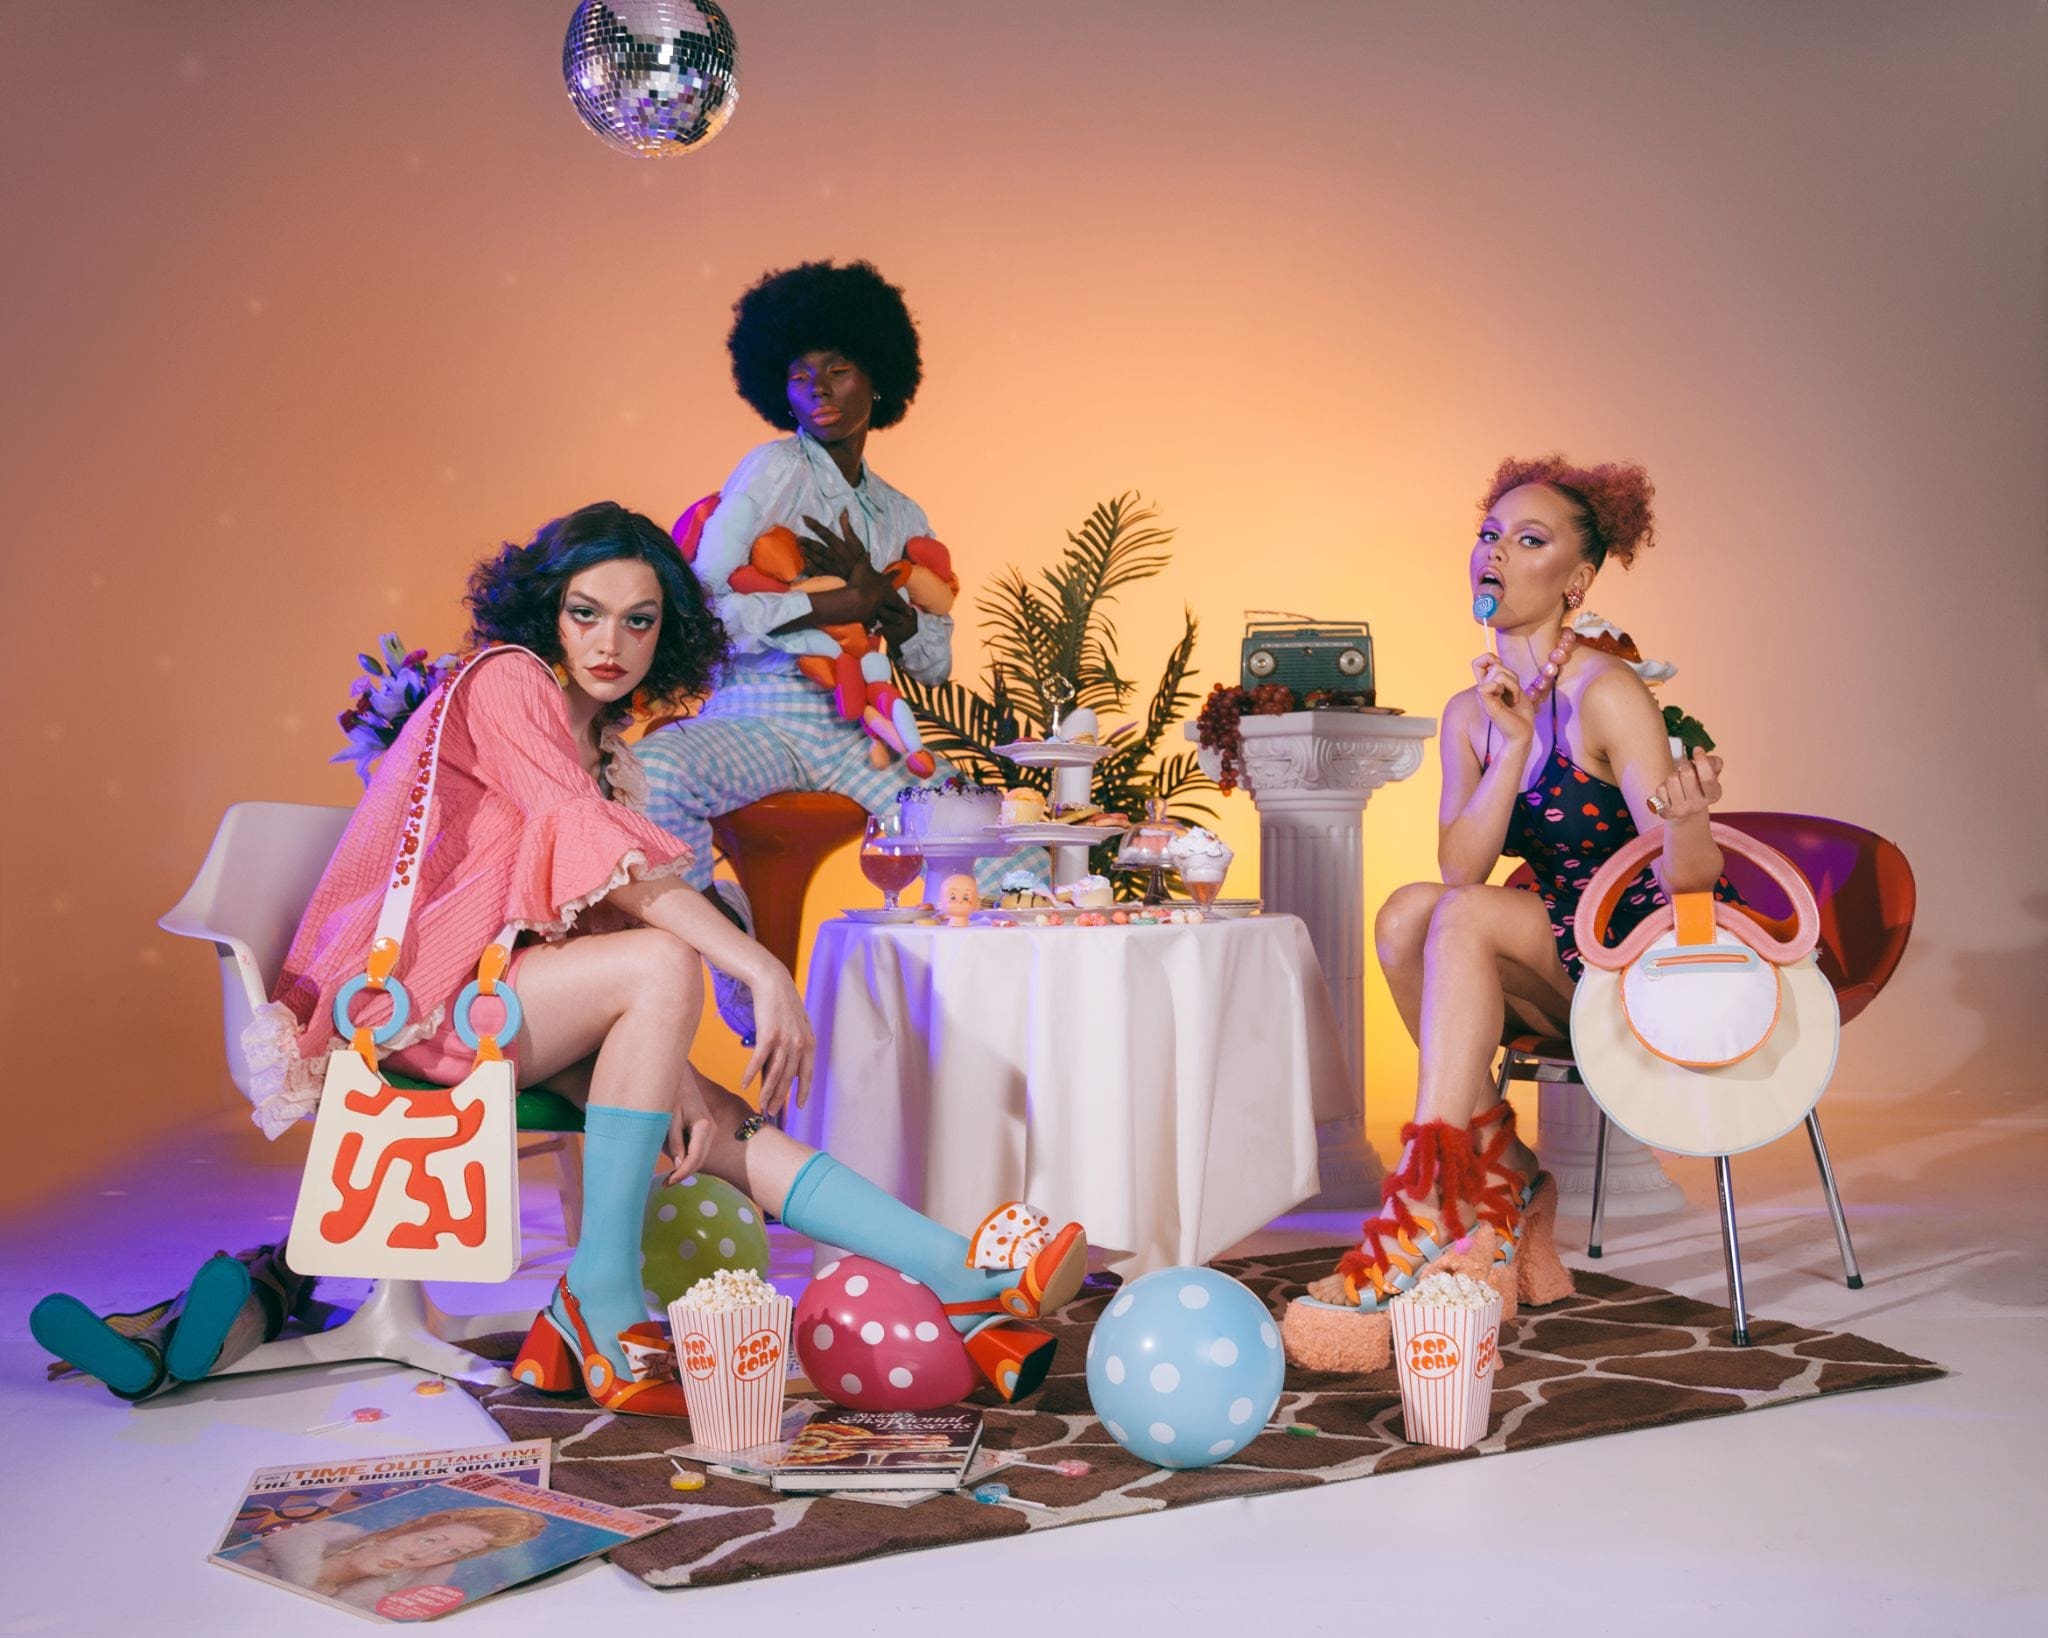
x,y
1217,726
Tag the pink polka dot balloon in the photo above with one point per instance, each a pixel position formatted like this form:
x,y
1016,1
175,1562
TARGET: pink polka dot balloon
x,y
870,1338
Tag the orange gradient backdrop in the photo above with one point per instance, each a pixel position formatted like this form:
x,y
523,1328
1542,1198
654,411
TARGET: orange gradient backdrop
x,y
306,308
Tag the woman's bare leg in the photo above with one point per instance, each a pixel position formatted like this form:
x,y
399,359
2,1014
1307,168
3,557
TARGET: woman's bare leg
x,y
628,1002
1538,996
1484,944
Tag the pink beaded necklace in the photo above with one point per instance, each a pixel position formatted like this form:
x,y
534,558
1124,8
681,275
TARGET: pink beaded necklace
x,y
1534,688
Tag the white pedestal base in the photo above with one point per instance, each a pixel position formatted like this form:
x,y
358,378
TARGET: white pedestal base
x,y
1567,1138
1311,774
399,1322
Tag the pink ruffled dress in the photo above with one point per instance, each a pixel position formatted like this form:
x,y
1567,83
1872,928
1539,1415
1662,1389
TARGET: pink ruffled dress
x,y
518,834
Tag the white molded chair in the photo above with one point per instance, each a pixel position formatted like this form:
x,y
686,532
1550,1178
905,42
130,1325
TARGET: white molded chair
x,y
246,902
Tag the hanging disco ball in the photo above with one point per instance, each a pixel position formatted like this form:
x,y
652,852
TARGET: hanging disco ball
x,y
653,77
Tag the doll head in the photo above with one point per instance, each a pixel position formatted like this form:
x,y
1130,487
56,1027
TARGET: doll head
x,y
958,896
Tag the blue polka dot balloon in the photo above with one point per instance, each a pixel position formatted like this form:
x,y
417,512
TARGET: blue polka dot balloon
x,y
1184,1367
694,1228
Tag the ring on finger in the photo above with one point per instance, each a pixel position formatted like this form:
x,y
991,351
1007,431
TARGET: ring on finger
x,y
1656,804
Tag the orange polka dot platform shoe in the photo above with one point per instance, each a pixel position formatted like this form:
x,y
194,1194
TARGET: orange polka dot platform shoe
x,y
554,1362
1051,1264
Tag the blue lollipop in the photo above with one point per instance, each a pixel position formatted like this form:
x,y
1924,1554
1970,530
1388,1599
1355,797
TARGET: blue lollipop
x,y
1485,606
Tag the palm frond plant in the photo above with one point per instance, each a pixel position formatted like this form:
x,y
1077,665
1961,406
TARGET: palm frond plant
x,y
1060,625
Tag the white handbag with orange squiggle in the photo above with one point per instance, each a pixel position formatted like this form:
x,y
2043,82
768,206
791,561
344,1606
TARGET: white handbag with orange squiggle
x,y
414,1183
1703,1032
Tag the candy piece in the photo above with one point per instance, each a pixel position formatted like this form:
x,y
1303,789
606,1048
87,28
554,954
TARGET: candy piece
x,y
686,1481
432,1386
1485,606
369,1413
1072,1468
994,1493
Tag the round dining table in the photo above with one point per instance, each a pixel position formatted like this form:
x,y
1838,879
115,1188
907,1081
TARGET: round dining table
x,y
1159,1084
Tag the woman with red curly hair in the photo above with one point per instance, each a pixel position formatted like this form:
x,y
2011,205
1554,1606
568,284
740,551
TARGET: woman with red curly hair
x,y
1557,754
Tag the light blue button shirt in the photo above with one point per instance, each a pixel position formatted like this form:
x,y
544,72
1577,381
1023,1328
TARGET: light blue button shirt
x,y
785,482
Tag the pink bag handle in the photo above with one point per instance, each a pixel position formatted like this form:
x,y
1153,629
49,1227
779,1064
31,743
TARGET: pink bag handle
x,y
1604,892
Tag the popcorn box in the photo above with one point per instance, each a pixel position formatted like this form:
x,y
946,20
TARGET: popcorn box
x,y
1445,1356
731,1362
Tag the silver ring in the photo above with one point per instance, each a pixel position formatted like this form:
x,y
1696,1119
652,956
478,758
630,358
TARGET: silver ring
x,y
1656,804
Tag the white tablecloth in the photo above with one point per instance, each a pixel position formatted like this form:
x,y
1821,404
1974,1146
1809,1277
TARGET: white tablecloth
x,y
1160,1085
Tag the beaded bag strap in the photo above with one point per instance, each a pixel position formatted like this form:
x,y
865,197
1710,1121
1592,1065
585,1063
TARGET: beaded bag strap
x,y
380,971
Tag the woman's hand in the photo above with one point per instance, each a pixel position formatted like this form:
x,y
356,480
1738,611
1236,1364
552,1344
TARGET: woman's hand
x,y
690,1131
842,555
1687,795
784,1046
897,622
1506,706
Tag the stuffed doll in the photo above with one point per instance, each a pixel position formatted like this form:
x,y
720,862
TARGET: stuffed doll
x,y
856,672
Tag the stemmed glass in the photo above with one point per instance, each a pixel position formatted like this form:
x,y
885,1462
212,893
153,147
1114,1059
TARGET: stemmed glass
x,y
888,858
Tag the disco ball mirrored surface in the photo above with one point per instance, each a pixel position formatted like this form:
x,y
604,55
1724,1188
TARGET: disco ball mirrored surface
x,y
653,77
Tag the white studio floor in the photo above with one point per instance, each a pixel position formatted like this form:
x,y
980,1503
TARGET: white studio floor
x,y
1913,1510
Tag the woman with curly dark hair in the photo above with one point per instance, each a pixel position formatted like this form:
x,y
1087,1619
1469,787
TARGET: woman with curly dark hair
x,y
1557,754
825,354
532,832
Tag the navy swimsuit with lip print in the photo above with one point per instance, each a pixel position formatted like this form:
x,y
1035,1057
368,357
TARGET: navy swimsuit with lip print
x,y
1566,826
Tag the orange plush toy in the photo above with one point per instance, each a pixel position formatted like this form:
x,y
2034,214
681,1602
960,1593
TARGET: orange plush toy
x,y
857,675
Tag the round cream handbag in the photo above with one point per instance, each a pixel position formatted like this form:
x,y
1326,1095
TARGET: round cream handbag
x,y
1701,1032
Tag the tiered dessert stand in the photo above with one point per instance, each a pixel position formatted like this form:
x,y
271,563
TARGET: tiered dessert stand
x,y
1073,777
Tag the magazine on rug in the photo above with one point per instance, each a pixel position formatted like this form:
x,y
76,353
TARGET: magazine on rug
x,y
437,1547
880,1450
985,1464
278,1497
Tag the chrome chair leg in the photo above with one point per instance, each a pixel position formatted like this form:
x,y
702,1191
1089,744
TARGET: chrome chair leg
x,y
1850,1272
1599,1187
1725,1184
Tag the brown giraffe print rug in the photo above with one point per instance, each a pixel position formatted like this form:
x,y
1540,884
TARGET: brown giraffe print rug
x,y
1614,1357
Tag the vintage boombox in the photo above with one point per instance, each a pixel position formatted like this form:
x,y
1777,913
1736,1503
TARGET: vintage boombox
x,y
1307,655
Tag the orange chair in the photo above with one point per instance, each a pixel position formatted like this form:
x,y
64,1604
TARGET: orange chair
x,y
775,846
1867,897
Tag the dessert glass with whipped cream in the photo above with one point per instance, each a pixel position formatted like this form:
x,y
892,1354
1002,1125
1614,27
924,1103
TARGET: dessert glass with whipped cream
x,y
1203,860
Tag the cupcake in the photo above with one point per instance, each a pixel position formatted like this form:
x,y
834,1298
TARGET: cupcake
x,y
1023,806
1020,890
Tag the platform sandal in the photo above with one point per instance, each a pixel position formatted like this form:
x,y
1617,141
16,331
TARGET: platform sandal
x,y
1521,1209
555,1362
1342,1323
1051,1264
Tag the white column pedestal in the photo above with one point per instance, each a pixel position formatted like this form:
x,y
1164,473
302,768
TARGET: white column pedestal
x,y
1311,773
1567,1138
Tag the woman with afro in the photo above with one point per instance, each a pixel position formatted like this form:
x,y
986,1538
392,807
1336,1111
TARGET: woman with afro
x,y
1557,754
825,354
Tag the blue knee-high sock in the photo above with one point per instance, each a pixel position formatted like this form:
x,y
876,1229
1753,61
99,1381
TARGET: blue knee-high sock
x,y
619,1146
834,1203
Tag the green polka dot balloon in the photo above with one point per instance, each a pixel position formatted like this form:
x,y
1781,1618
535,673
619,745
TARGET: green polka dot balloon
x,y
694,1228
